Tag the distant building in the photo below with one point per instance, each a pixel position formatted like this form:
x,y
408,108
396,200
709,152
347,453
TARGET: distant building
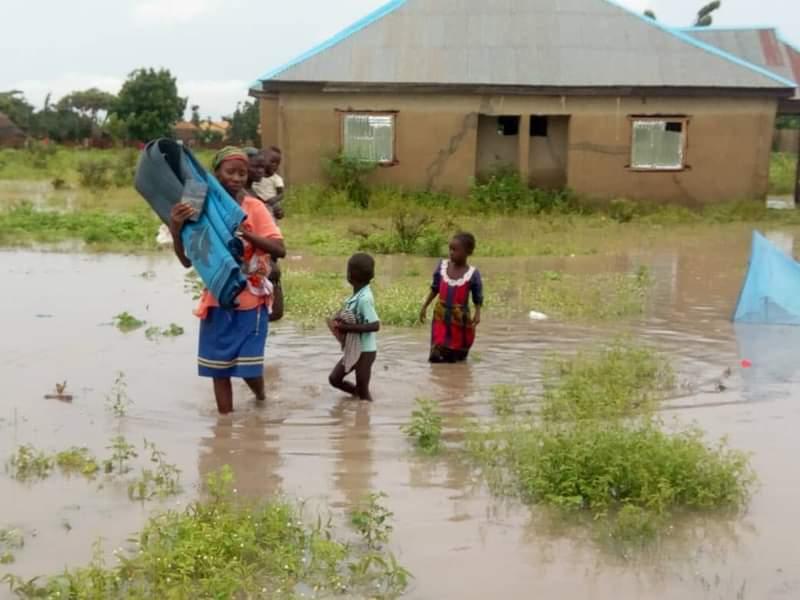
x,y
11,136
583,94
191,134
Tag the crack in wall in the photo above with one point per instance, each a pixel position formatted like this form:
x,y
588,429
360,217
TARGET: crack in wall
x,y
435,169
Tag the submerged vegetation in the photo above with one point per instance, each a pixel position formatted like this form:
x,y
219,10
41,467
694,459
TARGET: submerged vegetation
x,y
159,480
311,297
597,449
224,547
425,428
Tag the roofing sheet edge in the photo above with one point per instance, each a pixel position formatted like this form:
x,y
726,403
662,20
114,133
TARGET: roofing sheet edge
x,y
682,35
365,21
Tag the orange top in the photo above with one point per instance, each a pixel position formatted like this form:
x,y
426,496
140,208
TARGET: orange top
x,y
255,265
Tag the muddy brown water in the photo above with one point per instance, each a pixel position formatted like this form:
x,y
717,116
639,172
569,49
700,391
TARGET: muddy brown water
x,y
308,441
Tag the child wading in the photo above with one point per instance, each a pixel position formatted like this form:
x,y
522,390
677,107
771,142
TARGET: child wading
x,y
453,329
232,341
355,327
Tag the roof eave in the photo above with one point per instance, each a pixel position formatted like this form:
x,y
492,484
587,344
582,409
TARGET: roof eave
x,y
273,87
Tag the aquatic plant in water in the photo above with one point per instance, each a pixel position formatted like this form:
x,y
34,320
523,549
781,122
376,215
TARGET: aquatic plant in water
x,y
10,540
598,450
425,428
160,482
126,322
117,399
224,547
372,520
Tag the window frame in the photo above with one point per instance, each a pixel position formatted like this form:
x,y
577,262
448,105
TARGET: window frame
x,y
683,119
343,114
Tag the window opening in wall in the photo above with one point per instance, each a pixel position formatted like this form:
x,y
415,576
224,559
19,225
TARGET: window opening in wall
x,y
369,137
507,125
658,143
538,126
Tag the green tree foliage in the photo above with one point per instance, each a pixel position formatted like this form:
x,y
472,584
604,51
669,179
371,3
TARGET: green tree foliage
x,y
196,115
705,16
148,104
244,124
786,122
91,104
14,105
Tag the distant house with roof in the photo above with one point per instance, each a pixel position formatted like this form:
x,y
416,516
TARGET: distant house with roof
x,y
762,46
584,94
11,136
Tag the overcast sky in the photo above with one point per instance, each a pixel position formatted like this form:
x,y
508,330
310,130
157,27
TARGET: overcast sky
x,y
216,48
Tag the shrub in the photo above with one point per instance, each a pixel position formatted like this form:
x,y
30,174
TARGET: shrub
x,y
425,428
123,169
95,173
597,450
346,174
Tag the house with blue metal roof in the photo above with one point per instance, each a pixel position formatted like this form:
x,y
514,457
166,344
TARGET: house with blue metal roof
x,y
582,94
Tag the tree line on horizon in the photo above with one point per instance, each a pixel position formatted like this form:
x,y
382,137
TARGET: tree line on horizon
x,y
147,106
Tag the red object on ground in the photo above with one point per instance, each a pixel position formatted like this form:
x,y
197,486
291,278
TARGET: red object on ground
x,y
746,364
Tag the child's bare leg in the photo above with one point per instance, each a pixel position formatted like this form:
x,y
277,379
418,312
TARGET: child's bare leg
x,y
223,392
336,379
256,385
276,314
364,375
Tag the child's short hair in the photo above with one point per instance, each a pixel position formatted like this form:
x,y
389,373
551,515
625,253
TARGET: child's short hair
x,y
467,240
362,267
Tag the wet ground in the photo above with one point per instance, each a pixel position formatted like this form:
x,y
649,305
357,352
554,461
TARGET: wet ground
x,y
308,441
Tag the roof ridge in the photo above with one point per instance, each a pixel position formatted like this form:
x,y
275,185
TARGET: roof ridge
x,y
681,35
342,35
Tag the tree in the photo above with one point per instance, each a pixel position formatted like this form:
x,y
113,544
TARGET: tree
x,y
88,103
17,108
244,123
705,16
148,104
196,115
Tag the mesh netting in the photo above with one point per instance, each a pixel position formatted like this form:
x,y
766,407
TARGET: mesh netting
x,y
771,290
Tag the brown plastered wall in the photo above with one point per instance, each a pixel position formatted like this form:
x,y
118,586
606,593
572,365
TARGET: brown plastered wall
x,y
728,149
269,122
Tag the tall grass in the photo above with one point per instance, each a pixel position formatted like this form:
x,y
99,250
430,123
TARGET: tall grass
x,y
782,173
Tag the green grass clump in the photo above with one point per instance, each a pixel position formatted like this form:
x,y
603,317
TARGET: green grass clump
x,y
29,464
135,229
126,322
616,380
425,428
10,540
597,451
225,548
77,461
782,173
312,297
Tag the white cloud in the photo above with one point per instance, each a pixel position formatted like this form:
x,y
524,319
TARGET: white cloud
x,y
215,97
36,90
168,12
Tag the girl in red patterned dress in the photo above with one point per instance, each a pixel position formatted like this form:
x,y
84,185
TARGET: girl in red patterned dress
x,y
453,328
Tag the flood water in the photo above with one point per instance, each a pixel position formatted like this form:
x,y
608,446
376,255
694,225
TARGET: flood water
x,y
308,441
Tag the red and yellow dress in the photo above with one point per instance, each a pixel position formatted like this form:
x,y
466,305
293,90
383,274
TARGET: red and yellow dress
x,y
452,331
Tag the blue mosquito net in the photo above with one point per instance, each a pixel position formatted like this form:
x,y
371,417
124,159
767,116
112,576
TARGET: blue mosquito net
x,y
771,290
